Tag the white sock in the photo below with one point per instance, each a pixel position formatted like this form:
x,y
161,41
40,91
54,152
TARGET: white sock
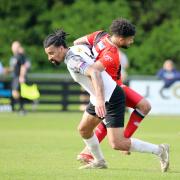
x,y
94,147
144,147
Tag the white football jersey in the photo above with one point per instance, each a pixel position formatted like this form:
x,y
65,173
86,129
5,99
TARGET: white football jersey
x,y
77,59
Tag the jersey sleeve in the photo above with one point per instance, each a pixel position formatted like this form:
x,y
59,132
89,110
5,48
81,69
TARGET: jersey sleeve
x,y
77,64
91,37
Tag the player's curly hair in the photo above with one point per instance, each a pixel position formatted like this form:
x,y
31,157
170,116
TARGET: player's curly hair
x,y
122,27
57,38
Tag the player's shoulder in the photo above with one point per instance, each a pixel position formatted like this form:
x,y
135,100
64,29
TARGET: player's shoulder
x,y
79,49
109,46
112,51
99,31
95,33
111,55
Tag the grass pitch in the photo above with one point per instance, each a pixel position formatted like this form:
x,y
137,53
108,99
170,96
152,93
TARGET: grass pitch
x,y
43,146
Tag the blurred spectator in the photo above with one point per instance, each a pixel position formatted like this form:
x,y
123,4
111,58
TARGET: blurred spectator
x,y
19,66
168,73
3,70
124,66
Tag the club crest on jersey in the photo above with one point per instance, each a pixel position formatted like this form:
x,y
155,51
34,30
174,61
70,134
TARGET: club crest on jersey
x,y
107,58
79,49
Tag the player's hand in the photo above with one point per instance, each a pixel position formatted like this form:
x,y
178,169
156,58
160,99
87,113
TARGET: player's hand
x,y
100,108
21,79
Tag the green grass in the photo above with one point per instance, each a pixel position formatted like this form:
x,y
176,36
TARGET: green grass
x,y
43,146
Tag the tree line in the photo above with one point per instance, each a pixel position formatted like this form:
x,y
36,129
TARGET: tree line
x,y
157,23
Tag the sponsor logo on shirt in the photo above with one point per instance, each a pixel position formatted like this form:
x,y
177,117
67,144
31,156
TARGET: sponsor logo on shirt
x,y
79,49
107,58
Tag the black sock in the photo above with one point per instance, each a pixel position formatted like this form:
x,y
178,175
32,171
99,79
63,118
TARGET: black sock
x,y
21,103
13,102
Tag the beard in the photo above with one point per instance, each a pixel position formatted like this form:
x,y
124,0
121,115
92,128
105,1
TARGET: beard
x,y
54,62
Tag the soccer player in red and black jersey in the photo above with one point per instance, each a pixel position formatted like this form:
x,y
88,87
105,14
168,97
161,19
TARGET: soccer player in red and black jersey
x,y
107,100
105,48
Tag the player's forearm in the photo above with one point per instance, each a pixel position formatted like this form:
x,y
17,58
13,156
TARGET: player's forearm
x,y
82,40
98,84
95,74
23,71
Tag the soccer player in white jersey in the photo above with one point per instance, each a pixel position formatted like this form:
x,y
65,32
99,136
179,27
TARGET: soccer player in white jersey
x,y
107,100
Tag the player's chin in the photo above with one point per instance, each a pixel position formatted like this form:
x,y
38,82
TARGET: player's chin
x,y
56,63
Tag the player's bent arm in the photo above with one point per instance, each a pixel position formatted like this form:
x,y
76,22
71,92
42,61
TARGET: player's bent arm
x,y
81,40
98,65
77,64
98,85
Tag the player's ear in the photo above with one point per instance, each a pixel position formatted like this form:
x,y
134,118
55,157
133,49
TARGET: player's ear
x,y
61,48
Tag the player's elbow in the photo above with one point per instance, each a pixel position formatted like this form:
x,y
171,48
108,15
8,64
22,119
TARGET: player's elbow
x,y
76,42
95,73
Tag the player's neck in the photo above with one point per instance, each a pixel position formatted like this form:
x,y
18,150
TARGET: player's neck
x,y
113,41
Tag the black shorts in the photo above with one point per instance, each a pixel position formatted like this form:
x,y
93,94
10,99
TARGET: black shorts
x,y
115,109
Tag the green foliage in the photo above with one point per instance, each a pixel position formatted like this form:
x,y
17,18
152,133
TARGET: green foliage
x,y
161,44
157,23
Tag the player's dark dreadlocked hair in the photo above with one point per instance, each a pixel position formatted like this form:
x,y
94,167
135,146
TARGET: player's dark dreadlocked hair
x,y
57,38
122,27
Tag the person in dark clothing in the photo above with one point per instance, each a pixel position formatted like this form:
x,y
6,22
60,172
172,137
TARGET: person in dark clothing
x,y
168,73
19,68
